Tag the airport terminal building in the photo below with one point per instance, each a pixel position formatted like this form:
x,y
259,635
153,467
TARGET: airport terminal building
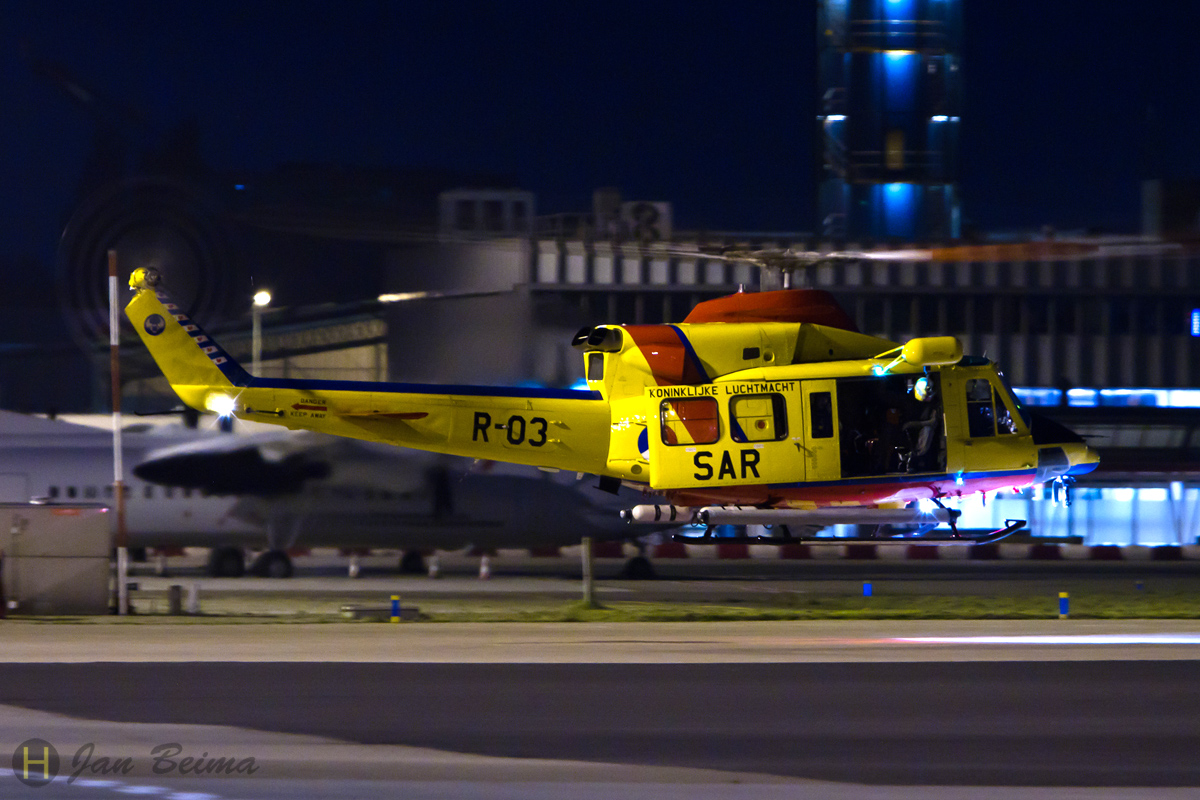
x,y
1109,339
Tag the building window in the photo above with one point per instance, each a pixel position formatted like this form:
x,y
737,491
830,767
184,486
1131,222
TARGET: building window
x,y
985,314
493,216
1121,321
464,215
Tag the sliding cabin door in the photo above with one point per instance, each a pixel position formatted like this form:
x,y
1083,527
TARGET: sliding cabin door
x,y
820,426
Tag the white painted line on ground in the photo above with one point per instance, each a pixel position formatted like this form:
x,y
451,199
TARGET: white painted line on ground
x,y
1053,639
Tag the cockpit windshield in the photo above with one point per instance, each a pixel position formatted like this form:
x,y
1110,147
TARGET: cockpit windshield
x,y
1010,399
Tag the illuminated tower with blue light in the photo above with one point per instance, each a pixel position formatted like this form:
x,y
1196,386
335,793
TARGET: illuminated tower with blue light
x,y
889,99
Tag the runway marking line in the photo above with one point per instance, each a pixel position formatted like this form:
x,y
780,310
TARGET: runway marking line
x,y
1057,639
125,788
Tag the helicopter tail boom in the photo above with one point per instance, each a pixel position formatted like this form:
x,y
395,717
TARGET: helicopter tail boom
x,y
552,428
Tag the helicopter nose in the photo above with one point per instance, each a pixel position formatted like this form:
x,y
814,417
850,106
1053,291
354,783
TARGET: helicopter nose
x,y
1083,459
1066,459
1061,451
1047,431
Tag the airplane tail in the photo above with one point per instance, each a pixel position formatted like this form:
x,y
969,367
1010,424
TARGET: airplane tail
x,y
194,364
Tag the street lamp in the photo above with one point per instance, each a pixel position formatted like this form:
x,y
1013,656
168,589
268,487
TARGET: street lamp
x,y
262,299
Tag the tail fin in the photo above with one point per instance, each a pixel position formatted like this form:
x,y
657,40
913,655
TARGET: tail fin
x,y
195,366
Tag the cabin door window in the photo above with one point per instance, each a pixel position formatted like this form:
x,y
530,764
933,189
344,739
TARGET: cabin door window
x,y
692,420
820,415
758,418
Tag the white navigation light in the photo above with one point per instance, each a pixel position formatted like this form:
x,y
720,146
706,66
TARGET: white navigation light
x,y
220,404
262,298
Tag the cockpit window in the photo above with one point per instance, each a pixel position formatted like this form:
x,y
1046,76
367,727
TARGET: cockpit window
x,y
988,411
1012,401
981,417
1005,424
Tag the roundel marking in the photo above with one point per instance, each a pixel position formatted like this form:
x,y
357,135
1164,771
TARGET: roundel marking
x,y
644,444
154,324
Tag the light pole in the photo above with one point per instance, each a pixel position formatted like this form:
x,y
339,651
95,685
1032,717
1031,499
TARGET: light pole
x,y
261,300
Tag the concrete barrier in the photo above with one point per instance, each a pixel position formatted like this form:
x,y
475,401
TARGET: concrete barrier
x,y
57,559
861,552
1166,552
670,550
608,550
733,550
921,552
1105,552
796,552
1044,552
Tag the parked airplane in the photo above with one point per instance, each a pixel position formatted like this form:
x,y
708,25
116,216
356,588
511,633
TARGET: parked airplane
x,y
275,491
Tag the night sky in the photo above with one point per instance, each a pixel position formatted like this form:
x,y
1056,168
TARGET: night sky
x,y
710,105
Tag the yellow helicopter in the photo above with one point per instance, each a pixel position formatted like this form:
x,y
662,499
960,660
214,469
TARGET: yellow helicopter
x,y
765,408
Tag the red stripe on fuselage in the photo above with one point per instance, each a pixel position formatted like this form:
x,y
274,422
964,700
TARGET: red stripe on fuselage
x,y
667,356
671,364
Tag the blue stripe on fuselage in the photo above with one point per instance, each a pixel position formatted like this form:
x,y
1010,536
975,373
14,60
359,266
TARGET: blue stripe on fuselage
x,y
691,352
423,388
925,478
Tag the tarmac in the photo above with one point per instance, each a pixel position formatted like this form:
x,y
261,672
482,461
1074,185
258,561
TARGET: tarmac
x,y
602,642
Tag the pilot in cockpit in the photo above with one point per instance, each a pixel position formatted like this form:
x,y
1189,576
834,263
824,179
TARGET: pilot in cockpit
x,y
921,429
